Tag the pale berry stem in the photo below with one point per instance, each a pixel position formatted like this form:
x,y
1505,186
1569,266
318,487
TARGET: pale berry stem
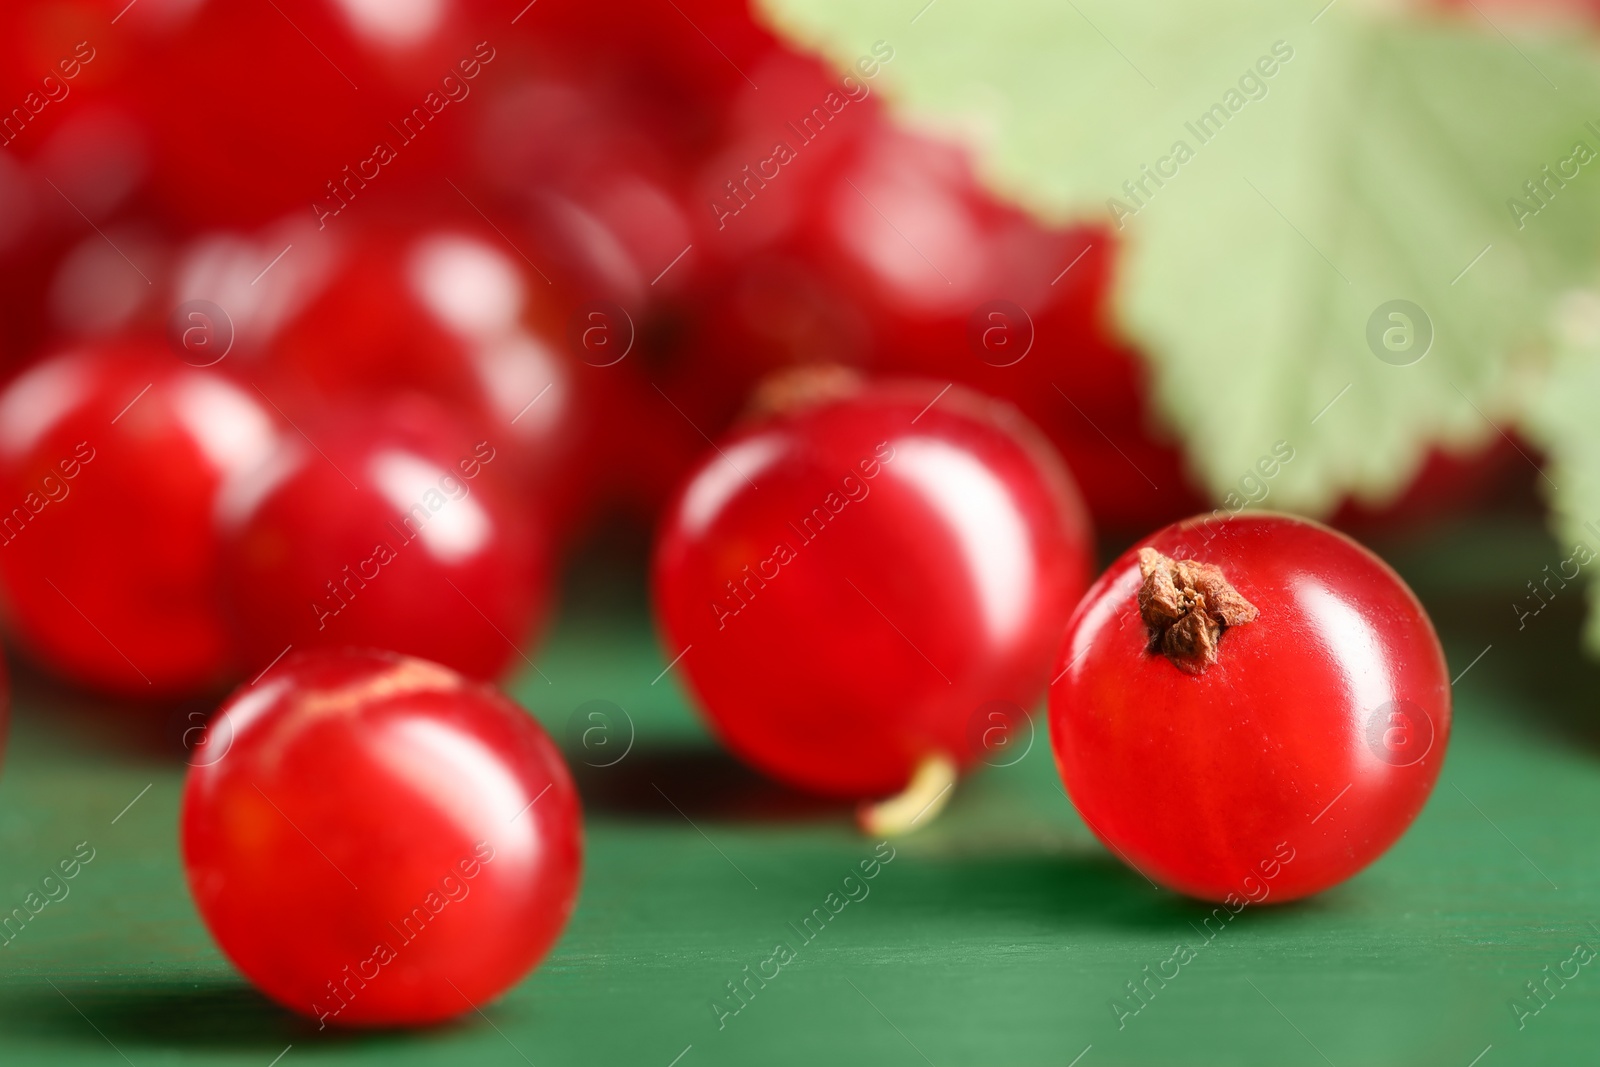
x,y
917,805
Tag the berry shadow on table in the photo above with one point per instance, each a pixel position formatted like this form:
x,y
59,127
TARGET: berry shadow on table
x,y
697,782
207,1012
157,734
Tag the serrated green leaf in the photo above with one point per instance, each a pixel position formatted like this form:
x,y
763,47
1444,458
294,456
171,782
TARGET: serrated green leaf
x,y
1375,163
1562,422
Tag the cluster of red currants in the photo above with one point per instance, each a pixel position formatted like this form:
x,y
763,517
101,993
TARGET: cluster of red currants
x,y
1228,692
262,417
661,216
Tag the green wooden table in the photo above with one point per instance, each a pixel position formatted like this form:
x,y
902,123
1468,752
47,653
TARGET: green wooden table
x,y
1001,934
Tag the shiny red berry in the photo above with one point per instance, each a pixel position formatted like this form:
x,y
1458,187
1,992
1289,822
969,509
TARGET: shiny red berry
x,y
376,841
1250,708
849,582
111,462
391,528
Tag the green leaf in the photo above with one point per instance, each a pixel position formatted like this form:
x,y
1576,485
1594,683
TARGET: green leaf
x,y
1374,164
1562,421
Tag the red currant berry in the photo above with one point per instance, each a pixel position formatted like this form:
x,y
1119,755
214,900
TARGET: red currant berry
x,y
111,461
441,310
372,107
603,211
447,311
850,581
1249,708
683,62
1446,484
374,841
393,530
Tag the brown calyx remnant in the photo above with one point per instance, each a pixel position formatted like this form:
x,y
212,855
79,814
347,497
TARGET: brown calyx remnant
x,y
797,388
1187,604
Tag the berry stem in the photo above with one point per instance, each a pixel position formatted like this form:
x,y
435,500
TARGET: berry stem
x,y
917,805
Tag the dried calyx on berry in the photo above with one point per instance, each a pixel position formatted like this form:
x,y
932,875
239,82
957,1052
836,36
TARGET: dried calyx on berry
x,y
1186,605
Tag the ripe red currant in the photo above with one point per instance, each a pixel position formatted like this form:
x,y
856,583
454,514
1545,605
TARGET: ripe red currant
x,y
111,460
601,206
449,311
1249,708
394,529
850,581
373,110
374,840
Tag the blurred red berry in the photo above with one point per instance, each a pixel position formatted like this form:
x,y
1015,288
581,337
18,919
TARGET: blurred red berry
x,y
314,106
448,310
111,459
389,529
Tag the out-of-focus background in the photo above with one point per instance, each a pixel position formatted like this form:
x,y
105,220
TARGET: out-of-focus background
x,y
1183,239
1169,263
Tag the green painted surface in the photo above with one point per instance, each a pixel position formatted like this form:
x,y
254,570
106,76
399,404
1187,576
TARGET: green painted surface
x,y
998,935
